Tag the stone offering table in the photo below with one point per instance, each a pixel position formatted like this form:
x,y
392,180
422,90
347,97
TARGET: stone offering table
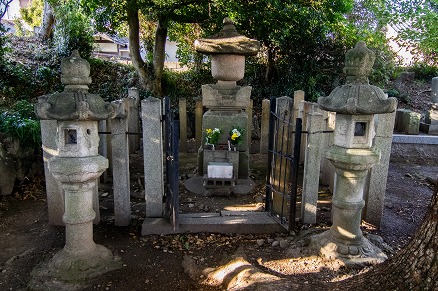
x,y
352,154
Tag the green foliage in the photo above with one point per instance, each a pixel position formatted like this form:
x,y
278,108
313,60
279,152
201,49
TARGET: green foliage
x,y
424,71
20,122
32,14
111,80
73,30
186,84
3,41
23,82
417,26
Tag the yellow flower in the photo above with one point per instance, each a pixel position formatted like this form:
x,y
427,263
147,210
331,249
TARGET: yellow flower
x,y
234,136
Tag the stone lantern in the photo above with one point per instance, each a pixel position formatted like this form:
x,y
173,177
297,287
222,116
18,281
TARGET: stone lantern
x,y
226,102
76,168
352,155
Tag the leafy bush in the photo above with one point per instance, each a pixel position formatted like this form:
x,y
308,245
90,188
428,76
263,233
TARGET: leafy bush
x,y
3,40
73,30
111,80
186,84
424,71
20,122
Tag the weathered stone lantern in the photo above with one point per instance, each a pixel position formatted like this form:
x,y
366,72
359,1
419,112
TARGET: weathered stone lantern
x,y
77,167
352,154
226,102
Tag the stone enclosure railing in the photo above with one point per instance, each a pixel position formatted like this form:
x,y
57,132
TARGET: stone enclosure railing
x,y
121,136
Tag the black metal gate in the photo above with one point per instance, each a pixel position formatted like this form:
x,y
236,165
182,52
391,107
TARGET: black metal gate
x,y
171,140
283,163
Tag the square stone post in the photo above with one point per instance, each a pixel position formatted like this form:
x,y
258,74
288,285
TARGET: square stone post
x,y
120,158
133,119
377,177
264,130
55,195
183,125
198,124
312,162
151,114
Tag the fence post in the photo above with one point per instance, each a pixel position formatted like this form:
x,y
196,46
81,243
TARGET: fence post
x,y
312,163
151,116
249,124
55,195
327,168
264,129
183,125
198,124
120,159
298,98
378,175
103,146
133,119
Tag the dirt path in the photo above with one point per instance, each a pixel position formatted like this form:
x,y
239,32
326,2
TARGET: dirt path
x,y
199,261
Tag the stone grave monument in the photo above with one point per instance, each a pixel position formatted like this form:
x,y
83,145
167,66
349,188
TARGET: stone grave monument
x,y
76,168
224,158
430,124
352,155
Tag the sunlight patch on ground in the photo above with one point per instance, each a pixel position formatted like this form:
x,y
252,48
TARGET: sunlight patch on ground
x,y
237,273
246,207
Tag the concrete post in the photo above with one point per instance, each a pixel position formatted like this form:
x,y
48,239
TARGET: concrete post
x,y
198,124
133,119
120,157
434,91
103,146
298,97
264,130
411,121
55,195
250,123
151,114
183,125
315,123
327,168
377,177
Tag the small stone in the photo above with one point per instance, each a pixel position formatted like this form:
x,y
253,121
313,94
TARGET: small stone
x,y
260,242
271,240
191,205
284,244
275,243
104,194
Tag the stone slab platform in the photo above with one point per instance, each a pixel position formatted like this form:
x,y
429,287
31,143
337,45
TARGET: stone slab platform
x,y
242,222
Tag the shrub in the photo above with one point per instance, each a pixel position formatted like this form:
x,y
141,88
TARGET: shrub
x,y
73,30
21,123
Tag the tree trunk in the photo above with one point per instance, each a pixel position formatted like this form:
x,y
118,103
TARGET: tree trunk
x,y
134,46
415,267
47,23
270,66
159,56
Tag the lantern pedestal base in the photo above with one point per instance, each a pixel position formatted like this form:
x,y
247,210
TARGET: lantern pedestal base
x,y
65,266
353,253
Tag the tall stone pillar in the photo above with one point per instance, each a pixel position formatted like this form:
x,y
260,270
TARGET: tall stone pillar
x,y
352,155
226,102
76,167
